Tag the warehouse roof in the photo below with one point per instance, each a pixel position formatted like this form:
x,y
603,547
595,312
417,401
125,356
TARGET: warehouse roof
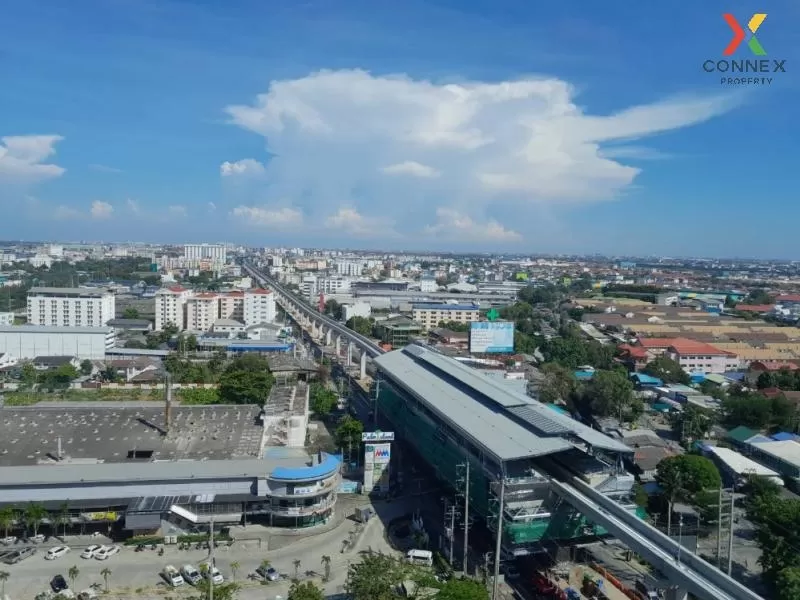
x,y
740,464
506,423
52,329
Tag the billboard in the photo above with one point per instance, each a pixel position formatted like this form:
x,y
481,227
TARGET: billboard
x,y
377,436
376,467
382,454
491,337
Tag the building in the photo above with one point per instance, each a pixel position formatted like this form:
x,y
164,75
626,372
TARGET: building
x,y
430,315
259,307
202,310
397,331
349,267
428,284
30,341
699,357
70,307
197,465
356,309
214,253
171,307
451,415
192,311
137,325
6,318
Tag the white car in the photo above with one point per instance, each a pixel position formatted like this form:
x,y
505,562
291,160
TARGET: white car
x,y
90,551
8,541
190,574
56,552
213,574
106,552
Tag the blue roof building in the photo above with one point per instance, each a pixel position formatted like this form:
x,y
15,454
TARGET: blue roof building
x,y
646,380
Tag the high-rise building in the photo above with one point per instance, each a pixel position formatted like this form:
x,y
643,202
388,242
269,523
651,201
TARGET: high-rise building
x,y
259,307
70,307
215,253
198,311
171,307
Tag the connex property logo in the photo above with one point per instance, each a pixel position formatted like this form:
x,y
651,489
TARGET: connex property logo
x,y
750,71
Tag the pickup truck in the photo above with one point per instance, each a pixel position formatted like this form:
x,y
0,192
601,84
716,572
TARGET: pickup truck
x,y
172,576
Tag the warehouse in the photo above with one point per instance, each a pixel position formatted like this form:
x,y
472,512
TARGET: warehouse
x,y
30,341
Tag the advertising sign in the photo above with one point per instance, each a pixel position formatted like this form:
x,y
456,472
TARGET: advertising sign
x,y
377,436
382,454
491,337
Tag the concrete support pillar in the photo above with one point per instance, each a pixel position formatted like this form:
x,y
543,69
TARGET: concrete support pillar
x,y
677,593
328,337
363,372
349,354
338,343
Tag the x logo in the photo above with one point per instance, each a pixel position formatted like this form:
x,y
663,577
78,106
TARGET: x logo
x,y
739,34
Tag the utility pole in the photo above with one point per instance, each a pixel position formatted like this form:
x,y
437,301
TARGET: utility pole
x,y
730,540
466,519
450,512
719,530
499,543
210,559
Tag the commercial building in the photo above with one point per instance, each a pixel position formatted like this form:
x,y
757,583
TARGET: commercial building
x,y
430,315
700,357
452,415
30,341
137,468
70,307
397,331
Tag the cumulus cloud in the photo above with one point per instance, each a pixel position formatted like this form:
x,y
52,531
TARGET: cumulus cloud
x,y
101,210
453,225
246,167
412,168
22,156
349,221
262,216
335,137
177,210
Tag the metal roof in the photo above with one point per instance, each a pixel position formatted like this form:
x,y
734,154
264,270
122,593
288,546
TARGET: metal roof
x,y
54,329
509,424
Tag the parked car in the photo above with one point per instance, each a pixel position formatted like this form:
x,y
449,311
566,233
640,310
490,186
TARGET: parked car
x,y
38,538
172,576
270,574
7,541
213,575
19,555
58,584
90,551
510,571
190,574
106,552
56,552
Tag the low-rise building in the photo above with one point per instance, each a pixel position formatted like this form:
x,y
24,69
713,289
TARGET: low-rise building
x,y
397,331
30,341
430,315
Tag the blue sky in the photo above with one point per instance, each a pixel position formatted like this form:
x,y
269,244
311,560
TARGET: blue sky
x,y
453,124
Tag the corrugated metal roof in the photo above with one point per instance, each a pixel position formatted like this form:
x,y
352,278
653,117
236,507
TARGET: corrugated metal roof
x,y
455,390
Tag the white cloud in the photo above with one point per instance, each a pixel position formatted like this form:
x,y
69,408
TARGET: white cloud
x,y
177,210
332,136
21,158
245,167
453,225
349,221
133,206
101,210
410,167
268,217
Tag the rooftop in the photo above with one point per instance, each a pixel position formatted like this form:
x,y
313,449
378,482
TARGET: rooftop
x,y
107,433
65,291
687,346
505,423
443,306
787,450
53,329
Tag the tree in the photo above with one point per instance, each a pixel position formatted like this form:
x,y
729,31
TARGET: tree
x,y
667,370
265,564
558,383
130,313
106,573
247,380
685,476
692,423
34,515
73,573
297,562
198,396
334,309
235,566
463,589
222,591
306,590
360,325
322,400
777,523
326,565
86,367
63,517
109,374
765,380
348,433
374,578
28,374
8,517
4,575
787,584
610,393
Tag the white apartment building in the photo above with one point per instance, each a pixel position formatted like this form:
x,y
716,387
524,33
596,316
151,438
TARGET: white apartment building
x,y
6,318
30,341
202,310
231,306
216,253
428,284
357,309
70,307
430,315
259,307
313,285
349,268
171,307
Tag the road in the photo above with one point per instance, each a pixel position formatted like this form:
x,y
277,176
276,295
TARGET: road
x,y
137,573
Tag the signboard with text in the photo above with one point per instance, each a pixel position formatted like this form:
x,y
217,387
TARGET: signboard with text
x,y
377,436
491,337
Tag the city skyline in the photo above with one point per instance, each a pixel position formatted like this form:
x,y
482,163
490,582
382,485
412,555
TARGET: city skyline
x,y
449,126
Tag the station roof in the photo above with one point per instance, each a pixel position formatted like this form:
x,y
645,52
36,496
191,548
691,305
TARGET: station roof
x,y
505,423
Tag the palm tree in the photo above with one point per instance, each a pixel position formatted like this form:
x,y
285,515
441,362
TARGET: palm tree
x,y
326,564
297,564
106,573
4,575
8,516
73,574
235,568
34,515
265,564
